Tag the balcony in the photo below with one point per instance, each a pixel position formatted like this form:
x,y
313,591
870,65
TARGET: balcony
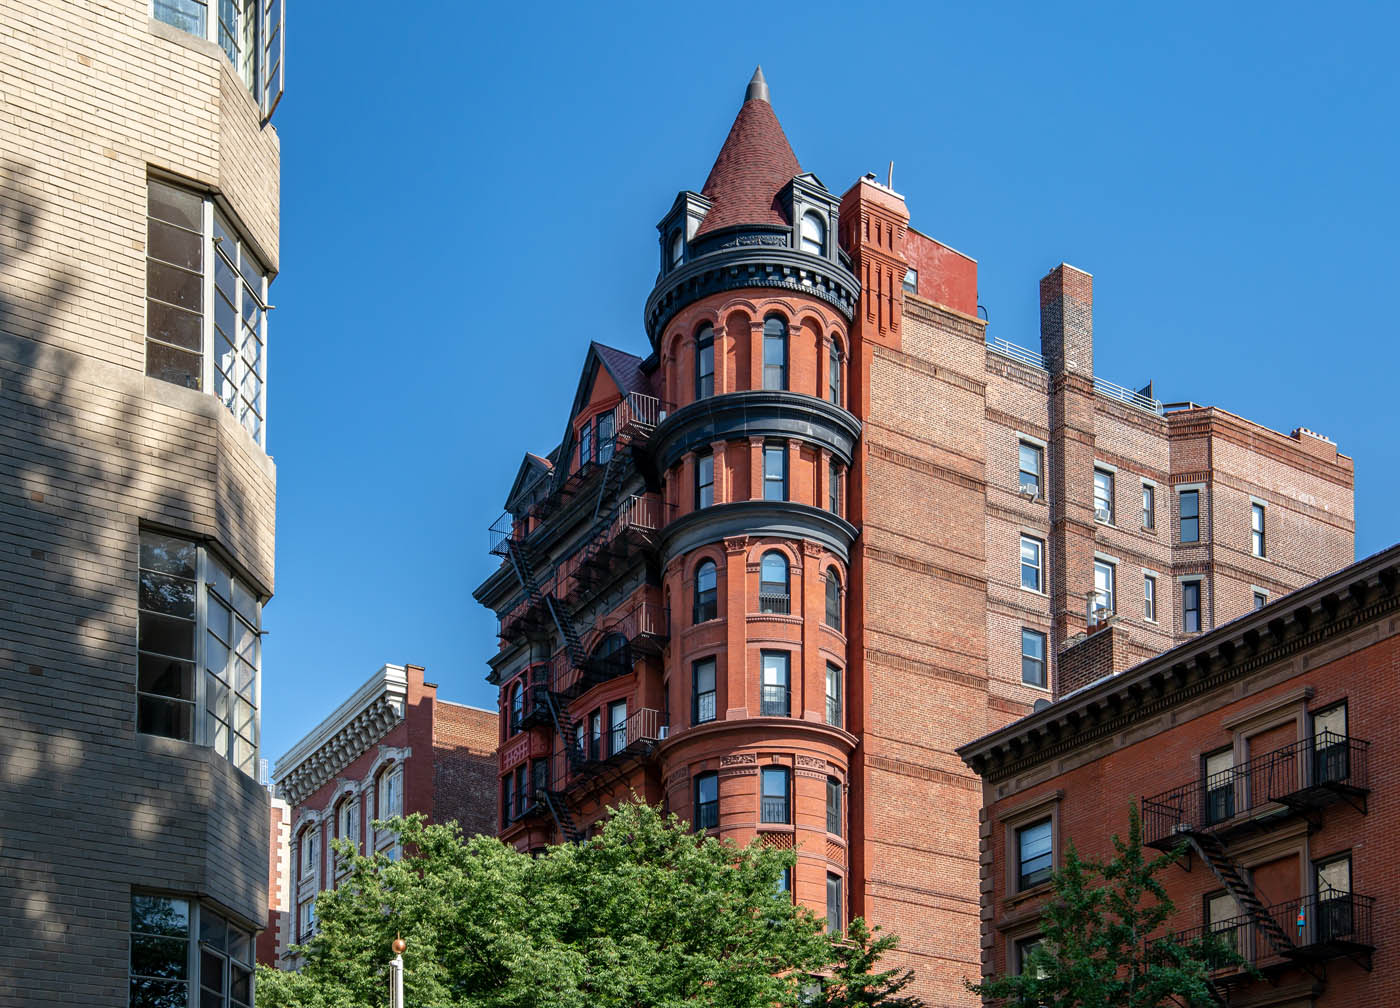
x,y
1317,928
775,701
587,758
642,629
775,603
1298,778
630,533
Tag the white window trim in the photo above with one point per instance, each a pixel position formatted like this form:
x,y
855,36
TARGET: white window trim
x,y
1114,563
1148,572
1034,442
1043,591
1156,504
1263,505
1045,662
1256,589
260,37
1112,472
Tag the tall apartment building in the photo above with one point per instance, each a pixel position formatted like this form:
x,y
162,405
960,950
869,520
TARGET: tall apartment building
x,y
827,530
1263,749
138,237
391,748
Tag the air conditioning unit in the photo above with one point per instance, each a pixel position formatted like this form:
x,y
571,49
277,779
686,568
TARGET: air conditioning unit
x,y
1102,514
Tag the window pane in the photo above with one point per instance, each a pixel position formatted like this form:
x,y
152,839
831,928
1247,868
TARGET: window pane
x,y
1035,853
174,325
166,635
174,285
174,245
175,366
166,677
162,593
167,202
169,555
160,915
1032,657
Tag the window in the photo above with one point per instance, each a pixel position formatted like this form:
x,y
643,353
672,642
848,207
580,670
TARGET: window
x,y
1032,465
306,919
775,485
1191,606
1149,506
706,592
585,443
773,804
1218,769
517,707
539,774
190,341
784,884
1031,563
1261,599
833,374
705,362
774,353
164,970
776,698
1331,746
704,480
310,860
833,487
606,424
834,694
1334,902
617,727
707,801
1105,603
813,233
703,700
1190,516
911,280
248,31
1103,496
1256,529
347,823
595,735
677,248
833,599
834,921
1149,597
1223,915
391,793
1024,949
773,594
174,575
1032,657
522,794
1035,854
833,806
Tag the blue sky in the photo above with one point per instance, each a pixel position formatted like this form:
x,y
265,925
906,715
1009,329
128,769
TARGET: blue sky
x,y
470,194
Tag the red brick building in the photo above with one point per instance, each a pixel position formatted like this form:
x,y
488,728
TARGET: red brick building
x,y
392,748
278,933
1264,746
827,530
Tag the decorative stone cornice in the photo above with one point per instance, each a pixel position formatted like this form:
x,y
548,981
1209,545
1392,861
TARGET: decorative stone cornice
x,y
350,732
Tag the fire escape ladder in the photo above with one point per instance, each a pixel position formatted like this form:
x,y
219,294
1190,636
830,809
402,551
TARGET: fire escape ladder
x,y
563,818
1213,853
525,571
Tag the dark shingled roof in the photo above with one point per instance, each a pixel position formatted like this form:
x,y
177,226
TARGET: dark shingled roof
x,y
625,368
754,164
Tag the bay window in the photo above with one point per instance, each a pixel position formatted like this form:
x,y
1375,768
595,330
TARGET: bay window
x,y
250,33
185,954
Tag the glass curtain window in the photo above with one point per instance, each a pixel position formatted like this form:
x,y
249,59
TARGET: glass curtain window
x,y
1191,606
1149,597
704,480
773,584
1033,658
1149,506
834,694
1103,496
617,727
1034,847
834,919
833,375
240,291
703,706
775,353
707,801
1104,600
1256,529
706,592
775,696
705,362
1031,465
775,485
1190,516
833,806
833,599
813,234
175,256
1031,567
773,803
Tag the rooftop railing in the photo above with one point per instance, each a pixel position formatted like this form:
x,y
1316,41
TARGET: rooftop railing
x,y
1109,390
1017,353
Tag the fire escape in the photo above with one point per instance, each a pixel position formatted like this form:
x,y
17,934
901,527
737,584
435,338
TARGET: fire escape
x,y
588,758
1206,815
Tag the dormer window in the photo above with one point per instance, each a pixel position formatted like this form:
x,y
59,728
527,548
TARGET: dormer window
x,y
813,234
677,248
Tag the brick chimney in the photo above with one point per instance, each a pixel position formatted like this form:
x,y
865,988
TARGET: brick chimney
x,y
1067,321
1107,650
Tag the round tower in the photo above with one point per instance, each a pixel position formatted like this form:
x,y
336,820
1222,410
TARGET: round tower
x,y
749,321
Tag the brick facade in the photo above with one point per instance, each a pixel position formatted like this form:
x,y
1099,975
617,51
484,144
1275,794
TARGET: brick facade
x,y
391,748
97,96
1302,786
919,437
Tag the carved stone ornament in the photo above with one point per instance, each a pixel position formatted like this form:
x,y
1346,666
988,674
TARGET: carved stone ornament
x,y
738,759
737,544
811,761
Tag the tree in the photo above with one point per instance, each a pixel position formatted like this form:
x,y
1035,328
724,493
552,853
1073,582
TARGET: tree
x,y
1099,942
644,914
853,982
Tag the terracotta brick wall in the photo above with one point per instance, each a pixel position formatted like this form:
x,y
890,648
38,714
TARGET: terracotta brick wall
x,y
464,767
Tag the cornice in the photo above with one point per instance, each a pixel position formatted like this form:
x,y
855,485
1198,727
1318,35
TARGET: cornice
x,y
357,724
1331,607
755,413
783,519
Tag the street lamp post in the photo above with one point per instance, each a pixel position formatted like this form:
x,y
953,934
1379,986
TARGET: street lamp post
x,y
396,974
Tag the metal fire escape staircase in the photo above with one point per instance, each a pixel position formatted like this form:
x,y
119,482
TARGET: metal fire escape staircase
x,y
1213,853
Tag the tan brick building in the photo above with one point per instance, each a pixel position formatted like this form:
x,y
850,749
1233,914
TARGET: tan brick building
x,y
1263,746
827,530
391,748
138,237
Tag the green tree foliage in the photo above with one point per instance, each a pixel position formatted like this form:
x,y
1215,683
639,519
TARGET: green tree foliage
x,y
1103,943
854,982
644,915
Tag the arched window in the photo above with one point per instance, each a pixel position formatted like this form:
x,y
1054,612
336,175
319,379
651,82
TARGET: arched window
x,y
833,375
705,362
517,707
310,859
677,248
813,233
833,599
612,657
706,592
775,353
773,591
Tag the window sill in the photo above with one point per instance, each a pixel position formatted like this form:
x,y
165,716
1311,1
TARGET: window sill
x,y
1035,686
1034,591
1026,895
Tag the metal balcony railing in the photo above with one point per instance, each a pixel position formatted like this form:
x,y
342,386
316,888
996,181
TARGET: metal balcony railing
x,y
501,529
1300,775
584,757
706,815
775,603
773,810
1318,927
639,413
775,701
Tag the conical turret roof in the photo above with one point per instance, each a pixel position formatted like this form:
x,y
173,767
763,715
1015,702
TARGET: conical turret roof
x,y
754,164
